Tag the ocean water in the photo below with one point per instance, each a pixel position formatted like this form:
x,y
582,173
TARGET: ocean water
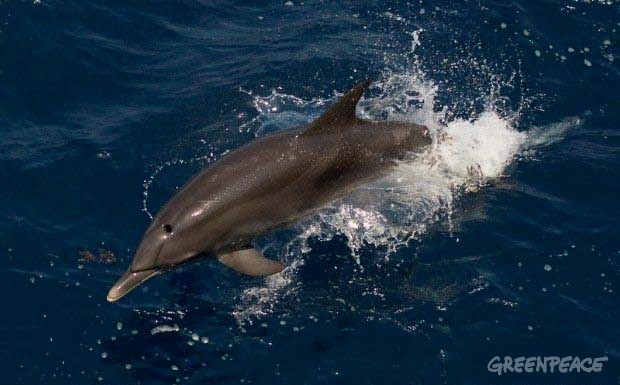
x,y
502,239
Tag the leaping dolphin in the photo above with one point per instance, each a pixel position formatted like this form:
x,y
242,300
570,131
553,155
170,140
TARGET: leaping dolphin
x,y
268,183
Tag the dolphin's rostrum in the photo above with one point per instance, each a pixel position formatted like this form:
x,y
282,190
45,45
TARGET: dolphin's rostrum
x,y
268,183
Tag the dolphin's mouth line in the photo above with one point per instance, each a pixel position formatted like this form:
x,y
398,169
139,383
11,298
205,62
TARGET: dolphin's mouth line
x,y
158,268
129,281
133,278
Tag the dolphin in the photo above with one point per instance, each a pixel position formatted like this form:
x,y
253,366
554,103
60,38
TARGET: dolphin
x,y
268,183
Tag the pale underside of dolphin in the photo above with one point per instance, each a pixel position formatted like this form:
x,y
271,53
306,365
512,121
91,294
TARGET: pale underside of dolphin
x,y
268,183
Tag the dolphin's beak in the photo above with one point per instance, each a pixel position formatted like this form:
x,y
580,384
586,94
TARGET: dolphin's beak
x,y
129,281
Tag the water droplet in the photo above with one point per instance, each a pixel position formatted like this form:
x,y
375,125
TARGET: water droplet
x,y
104,155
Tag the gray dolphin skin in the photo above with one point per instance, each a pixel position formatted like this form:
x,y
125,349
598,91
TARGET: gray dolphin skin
x,y
268,183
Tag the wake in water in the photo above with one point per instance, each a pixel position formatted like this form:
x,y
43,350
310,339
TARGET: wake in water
x,y
465,156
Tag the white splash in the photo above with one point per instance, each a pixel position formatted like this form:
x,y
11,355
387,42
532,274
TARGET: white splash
x,y
261,300
165,329
550,134
464,157
392,211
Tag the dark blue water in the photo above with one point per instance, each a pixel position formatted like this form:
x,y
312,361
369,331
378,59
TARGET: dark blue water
x,y
106,106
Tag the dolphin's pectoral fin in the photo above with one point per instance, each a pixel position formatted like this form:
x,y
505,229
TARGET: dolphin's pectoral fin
x,y
250,262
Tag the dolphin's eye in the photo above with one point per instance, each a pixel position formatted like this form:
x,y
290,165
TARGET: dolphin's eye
x,y
168,228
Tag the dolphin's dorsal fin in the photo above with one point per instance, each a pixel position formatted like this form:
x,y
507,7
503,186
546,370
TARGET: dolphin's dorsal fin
x,y
340,115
